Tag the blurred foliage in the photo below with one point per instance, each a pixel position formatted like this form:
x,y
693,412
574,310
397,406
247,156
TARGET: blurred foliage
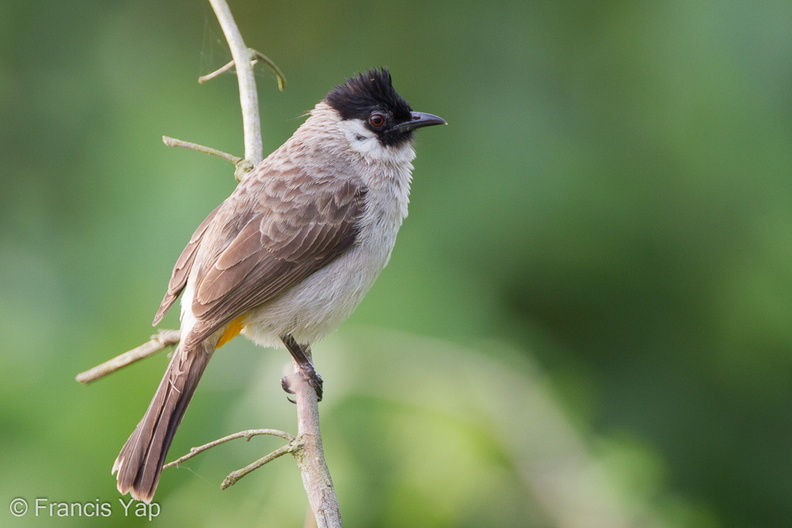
x,y
598,258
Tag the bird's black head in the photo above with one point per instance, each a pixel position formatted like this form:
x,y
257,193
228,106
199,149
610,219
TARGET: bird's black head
x,y
370,97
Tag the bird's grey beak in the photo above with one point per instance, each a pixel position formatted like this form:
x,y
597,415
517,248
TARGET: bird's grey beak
x,y
421,119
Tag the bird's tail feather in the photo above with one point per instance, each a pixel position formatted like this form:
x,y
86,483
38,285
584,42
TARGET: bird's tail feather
x,y
139,464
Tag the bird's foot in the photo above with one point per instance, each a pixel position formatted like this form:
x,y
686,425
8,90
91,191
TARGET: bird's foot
x,y
312,377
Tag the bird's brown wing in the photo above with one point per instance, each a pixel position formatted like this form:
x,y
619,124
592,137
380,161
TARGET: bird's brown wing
x,y
267,236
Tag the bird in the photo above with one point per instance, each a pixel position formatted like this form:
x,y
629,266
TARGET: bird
x,y
288,255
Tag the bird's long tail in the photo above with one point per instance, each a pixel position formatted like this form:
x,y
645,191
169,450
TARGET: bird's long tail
x,y
139,464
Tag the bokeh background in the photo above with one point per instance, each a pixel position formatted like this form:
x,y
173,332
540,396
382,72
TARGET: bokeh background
x,y
586,322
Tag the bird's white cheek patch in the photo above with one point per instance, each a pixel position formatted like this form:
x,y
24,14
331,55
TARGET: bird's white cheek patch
x,y
364,141
360,138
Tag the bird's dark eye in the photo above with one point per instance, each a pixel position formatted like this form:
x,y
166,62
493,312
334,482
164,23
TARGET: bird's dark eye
x,y
377,120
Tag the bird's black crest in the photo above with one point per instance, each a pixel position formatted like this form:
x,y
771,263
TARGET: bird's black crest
x,y
367,92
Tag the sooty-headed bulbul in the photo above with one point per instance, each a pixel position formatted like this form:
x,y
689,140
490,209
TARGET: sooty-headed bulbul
x,y
289,254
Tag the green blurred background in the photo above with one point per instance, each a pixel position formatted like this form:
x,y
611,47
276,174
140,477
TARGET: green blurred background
x,y
585,323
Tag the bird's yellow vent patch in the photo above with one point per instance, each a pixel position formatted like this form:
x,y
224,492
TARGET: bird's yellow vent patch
x,y
232,330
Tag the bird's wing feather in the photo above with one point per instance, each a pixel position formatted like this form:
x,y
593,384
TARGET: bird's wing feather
x,y
271,234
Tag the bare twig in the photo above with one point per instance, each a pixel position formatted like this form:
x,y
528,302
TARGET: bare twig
x,y
247,435
242,165
219,71
248,96
173,142
234,476
162,339
306,448
256,56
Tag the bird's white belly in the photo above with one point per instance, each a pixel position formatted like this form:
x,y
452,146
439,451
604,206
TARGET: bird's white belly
x,y
315,307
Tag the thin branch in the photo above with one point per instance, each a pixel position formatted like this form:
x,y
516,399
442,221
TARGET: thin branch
x,y
248,96
162,339
219,71
173,142
311,460
242,165
306,448
256,56
247,435
234,476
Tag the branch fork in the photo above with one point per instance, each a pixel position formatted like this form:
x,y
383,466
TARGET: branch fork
x,y
293,446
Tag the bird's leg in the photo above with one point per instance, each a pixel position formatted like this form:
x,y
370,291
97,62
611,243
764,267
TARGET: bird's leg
x,y
302,357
